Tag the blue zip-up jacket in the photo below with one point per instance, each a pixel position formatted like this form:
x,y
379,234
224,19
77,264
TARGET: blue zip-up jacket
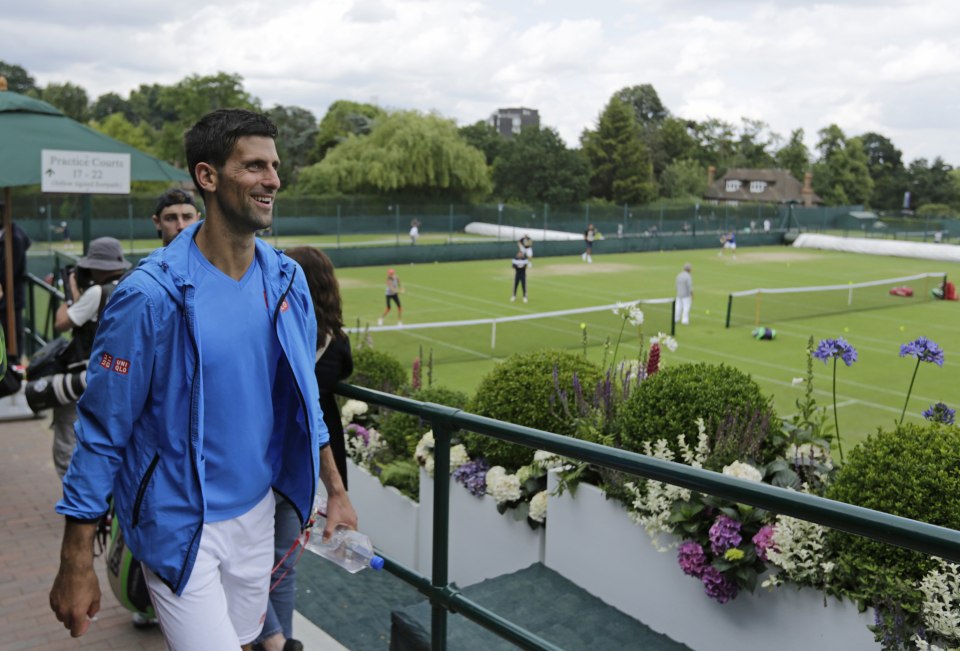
x,y
140,420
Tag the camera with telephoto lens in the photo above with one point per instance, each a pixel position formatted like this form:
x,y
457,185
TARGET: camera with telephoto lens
x,y
52,390
83,276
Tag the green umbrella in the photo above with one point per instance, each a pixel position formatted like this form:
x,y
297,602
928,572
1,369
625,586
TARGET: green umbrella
x,y
27,127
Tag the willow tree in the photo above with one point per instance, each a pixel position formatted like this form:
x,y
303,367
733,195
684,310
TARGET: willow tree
x,y
407,153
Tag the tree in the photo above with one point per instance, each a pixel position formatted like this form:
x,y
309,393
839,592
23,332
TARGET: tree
x,y
120,128
621,167
18,79
343,119
144,105
794,156
885,163
841,175
297,129
754,145
69,98
192,98
108,104
683,178
645,102
484,137
931,183
406,153
536,167
715,142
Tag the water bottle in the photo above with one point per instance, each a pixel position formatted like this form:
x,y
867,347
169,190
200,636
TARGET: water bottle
x,y
348,548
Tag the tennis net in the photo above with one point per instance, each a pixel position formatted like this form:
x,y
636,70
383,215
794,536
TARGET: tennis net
x,y
756,306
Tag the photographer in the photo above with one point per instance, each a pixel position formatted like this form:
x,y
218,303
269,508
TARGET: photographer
x,y
88,288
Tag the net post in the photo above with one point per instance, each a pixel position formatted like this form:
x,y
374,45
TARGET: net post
x,y
493,335
673,318
729,308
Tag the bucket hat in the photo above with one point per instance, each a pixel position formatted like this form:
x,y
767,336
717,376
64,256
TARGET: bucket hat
x,y
105,254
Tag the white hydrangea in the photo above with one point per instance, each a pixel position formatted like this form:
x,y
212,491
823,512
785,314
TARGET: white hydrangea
x,y
424,448
547,460
458,456
502,486
351,409
941,604
743,471
526,472
538,507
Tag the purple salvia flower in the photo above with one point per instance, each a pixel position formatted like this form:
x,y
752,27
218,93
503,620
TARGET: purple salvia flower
x,y
940,413
692,558
832,348
924,350
724,534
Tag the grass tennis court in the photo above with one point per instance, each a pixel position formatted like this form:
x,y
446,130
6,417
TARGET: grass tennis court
x,y
870,393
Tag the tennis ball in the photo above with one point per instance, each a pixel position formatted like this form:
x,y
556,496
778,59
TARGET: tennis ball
x,y
845,329
708,311
902,328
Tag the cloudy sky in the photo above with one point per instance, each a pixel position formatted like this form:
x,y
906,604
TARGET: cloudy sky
x,y
890,66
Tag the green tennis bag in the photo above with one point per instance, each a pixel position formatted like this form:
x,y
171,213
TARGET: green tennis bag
x,y
125,574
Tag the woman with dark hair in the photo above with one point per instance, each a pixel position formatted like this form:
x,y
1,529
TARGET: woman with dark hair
x,y
334,363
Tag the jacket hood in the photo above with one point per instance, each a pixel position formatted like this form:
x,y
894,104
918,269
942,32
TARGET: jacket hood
x,y
168,265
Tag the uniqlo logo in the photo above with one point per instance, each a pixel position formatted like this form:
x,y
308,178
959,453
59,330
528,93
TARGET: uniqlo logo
x,y
121,366
106,361
284,306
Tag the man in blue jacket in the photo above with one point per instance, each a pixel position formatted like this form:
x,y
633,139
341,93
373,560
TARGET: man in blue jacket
x,y
200,398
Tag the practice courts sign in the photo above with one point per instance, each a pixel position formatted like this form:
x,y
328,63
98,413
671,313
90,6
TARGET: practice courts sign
x,y
84,172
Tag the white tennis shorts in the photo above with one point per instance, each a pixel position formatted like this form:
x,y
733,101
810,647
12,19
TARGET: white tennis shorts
x,y
225,601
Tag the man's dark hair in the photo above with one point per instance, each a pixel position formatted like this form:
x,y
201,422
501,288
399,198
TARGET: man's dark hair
x,y
173,197
212,139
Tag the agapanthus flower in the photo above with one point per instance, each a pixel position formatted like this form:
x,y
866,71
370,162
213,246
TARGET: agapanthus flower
x,y
832,348
724,534
665,341
940,413
692,558
473,475
635,316
763,540
924,350
718,585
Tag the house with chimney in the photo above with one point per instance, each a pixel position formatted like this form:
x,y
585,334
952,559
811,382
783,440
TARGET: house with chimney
x,y
741,185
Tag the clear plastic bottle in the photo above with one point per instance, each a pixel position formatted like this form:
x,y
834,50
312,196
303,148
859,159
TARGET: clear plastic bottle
x,y
348,548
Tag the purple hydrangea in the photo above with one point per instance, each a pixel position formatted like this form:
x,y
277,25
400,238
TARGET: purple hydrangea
x,y
724,534
692,558
763,540
924,350
473,475
360,432
832,348
940,413
718,585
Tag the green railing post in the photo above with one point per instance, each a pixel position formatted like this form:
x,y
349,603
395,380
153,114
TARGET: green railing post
x,y
441,535
338,225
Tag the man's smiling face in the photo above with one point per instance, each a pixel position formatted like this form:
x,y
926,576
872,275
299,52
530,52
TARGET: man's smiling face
x,y
247,184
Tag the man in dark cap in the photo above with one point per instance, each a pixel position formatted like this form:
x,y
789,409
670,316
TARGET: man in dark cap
x,y
90,285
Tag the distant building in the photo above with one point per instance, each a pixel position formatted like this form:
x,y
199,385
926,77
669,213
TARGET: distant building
x,y
760,186
510,121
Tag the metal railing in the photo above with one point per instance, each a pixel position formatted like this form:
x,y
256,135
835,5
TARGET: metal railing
x,y
445,421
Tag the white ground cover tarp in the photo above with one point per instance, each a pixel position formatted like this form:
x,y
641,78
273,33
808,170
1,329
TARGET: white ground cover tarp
x,y
927,251
505,232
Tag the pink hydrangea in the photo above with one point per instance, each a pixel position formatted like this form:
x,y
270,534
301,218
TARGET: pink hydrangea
x,y
763,540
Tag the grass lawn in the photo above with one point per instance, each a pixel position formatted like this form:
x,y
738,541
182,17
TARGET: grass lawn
x,y
870,393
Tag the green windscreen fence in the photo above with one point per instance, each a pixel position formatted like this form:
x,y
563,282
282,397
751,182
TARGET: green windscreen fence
x,y
756,306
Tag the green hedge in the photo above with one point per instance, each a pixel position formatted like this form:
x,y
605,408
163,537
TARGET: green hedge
x,y
521,390
378,370
740,420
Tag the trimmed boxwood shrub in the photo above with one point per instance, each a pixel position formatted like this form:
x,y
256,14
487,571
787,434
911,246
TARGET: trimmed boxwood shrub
x,y
521,391
740,420
402,431
912,471
378,370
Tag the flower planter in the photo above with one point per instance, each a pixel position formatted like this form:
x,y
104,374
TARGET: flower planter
x,y
592,542
483,543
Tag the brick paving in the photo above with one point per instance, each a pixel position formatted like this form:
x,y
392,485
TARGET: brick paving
x,y
30,533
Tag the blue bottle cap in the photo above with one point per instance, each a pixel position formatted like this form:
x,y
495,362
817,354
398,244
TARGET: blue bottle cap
x,y
376,562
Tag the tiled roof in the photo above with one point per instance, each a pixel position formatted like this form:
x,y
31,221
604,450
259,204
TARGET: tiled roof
x,y
781,187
